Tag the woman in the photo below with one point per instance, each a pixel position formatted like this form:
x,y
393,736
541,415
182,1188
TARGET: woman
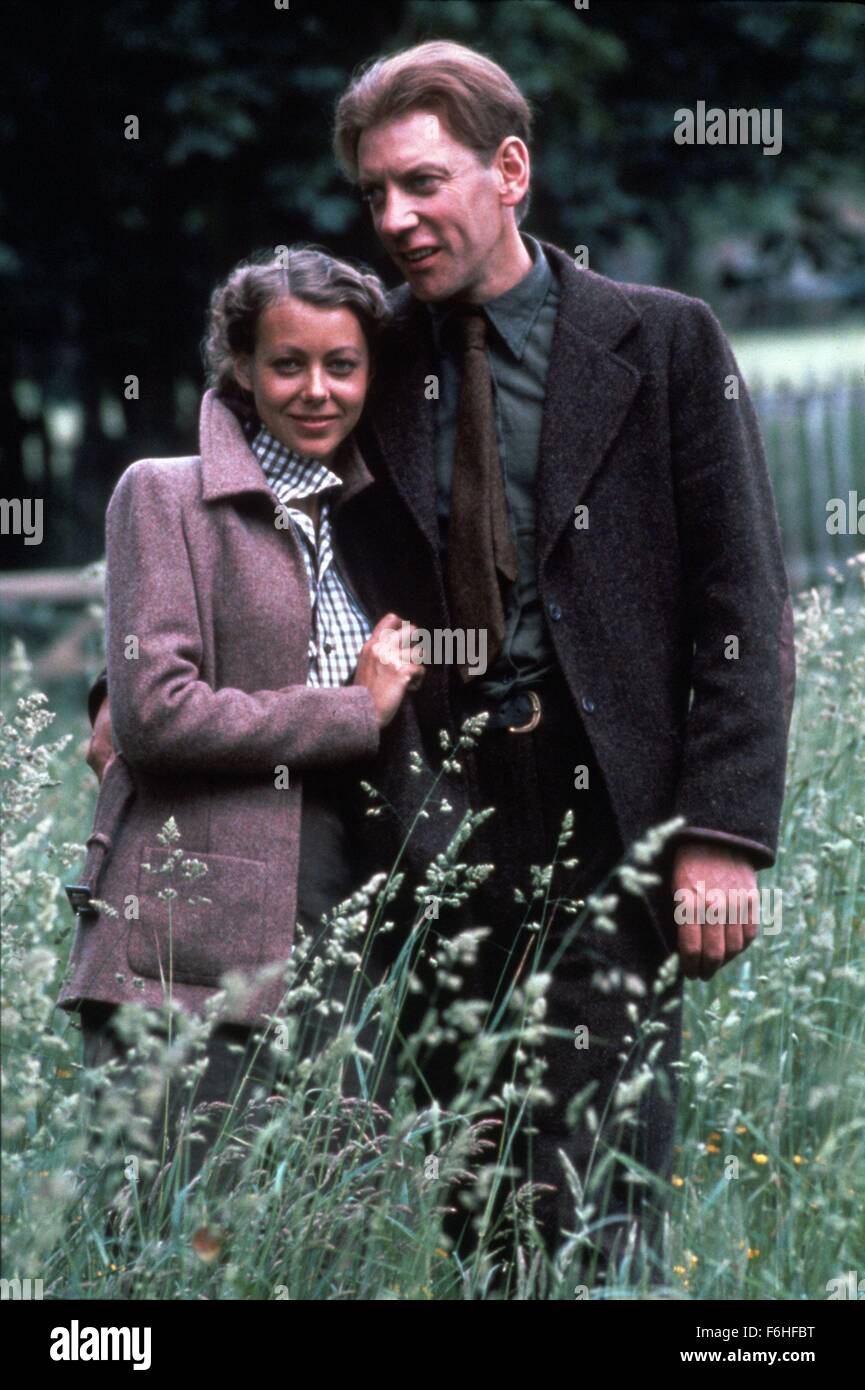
x,y
248,685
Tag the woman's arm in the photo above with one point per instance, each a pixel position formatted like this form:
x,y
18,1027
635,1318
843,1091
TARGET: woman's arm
x,y
164,717
100,749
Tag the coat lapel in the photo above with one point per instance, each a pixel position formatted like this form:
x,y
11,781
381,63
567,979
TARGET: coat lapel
x,y
588,394
229,467
401,417
271,559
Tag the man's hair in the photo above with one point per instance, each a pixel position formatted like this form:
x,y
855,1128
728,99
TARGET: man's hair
x,y
477,101
306,272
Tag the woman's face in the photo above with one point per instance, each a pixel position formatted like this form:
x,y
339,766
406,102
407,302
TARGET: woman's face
x,y
309,375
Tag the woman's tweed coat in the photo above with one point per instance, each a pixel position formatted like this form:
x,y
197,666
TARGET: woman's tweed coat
x,y
212,716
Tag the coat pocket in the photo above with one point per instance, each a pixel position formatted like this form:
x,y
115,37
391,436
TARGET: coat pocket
x,y
194,942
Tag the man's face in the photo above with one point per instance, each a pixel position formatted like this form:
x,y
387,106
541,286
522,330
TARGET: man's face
x,y
441,215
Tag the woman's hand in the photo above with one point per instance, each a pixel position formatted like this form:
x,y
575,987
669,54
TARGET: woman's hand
x,y
101,748
385,666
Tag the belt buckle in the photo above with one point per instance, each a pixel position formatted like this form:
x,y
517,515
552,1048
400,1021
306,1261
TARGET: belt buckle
x,y
535,717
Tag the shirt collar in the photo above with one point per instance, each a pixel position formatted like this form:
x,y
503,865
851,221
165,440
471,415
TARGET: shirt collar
x,y
513,313
298,475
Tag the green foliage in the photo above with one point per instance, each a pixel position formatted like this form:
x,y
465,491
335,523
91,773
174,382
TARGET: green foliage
x,y
111,254
333,1196
774,1060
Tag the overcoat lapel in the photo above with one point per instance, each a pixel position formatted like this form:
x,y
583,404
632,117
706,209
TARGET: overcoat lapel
x,y
230,469
589,392
232,477
402,416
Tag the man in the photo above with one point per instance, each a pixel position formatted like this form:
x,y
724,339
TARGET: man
x,y
572,469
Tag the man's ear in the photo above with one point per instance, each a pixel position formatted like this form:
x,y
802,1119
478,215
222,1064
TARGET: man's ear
x,y
514,168
242,373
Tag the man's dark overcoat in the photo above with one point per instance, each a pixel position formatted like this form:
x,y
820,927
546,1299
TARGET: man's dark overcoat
x,y
669,611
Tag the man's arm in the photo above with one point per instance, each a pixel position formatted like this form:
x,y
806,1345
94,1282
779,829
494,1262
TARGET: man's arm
x,y
743,674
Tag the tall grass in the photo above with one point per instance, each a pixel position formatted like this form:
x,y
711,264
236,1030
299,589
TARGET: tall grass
x,y
774,1056
335,1194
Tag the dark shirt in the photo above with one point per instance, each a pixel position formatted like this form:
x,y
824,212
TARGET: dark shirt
x,y
520,326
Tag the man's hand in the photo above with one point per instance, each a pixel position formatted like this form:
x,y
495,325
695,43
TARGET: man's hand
x,y
704,874
100,749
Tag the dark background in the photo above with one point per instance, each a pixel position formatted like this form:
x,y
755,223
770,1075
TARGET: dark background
x,y
111,247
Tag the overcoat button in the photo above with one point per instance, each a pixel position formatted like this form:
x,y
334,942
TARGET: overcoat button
x,y
588,704
555,612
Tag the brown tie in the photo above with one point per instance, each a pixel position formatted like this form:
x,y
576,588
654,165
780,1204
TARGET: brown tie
x,y
480,544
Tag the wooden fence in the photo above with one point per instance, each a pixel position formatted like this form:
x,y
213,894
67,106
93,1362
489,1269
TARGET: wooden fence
x,y
815,446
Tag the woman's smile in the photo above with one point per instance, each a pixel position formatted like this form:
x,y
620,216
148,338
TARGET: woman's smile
x,y
317,424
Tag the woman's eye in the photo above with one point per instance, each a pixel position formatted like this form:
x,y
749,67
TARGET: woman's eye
x,y
343,365
286,364
425,179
